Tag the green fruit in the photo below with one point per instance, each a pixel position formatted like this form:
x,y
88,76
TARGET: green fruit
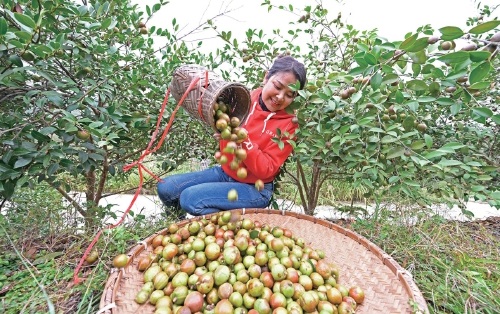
x,y
83,135
447,45
232,195
28,56
421,127
120,261
92,257
142,297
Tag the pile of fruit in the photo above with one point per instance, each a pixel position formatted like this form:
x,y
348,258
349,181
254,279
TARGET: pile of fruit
x,y
230,130
232,264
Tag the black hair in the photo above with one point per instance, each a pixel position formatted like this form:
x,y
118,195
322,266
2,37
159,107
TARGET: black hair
x,y
289,64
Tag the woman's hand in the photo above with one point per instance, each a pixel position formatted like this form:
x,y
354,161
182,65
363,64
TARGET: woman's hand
x,y
217,136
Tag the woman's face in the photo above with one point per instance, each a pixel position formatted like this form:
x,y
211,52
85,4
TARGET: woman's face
x,y
276,94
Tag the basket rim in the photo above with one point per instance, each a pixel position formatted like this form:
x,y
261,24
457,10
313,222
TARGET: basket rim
x,y
109,293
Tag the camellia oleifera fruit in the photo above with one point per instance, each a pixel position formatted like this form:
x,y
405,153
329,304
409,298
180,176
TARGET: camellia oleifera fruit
x,y
231,264
230,130
120,260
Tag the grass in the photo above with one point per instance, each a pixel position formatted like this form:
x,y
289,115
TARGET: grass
x,y
455,264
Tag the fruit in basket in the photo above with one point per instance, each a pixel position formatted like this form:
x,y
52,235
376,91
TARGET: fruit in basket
x,y
345,308
120,261
142,297
194,301
357,294
155,296
144,263
231,264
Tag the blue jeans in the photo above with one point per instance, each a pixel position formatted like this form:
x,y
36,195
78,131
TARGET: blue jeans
x,y
205,192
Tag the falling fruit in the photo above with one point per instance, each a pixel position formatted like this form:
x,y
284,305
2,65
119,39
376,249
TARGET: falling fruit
x,y
232,195
259,185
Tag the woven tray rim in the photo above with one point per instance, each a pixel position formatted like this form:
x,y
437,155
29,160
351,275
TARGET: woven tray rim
x,y
109,293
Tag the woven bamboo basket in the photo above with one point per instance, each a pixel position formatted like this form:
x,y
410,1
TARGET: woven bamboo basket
x,y
388,287
210,91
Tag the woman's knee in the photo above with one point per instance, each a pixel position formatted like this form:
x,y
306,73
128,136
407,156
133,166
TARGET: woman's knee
x,y
166,191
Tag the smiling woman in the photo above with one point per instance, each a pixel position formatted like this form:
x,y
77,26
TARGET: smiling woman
x,y
237,182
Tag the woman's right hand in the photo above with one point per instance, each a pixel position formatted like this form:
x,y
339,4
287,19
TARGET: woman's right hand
x,y
217,136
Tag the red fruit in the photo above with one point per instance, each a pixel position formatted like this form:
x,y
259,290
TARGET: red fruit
x,y
224,307
144,263
357,294
194,301
350,301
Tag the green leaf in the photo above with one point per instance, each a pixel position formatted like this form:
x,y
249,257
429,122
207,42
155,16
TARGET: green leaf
x,y
478,56
376,81
16,61
452,146
417,85
52,169
417,145
408,42
447,163
496,119
370,59
455,108
428,141
426,99
484,177
3,26
419,45
480,72
390,78
412,105
480,85
483,28
434,154
395,152
106,23
454,57
445,101
408,123
23,35
451,32
39,136
415,67
483,112
25,20
21,162
399,97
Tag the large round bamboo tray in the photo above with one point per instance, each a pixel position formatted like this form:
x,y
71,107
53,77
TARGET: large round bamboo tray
x,y
211,88
388,287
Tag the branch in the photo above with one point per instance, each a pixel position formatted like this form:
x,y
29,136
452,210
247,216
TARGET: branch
x,y
104,175
72,201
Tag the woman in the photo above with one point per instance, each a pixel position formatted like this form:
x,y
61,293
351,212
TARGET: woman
x,y
206,191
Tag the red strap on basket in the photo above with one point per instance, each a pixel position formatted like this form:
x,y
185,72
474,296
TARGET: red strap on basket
x,y
200,109
141,167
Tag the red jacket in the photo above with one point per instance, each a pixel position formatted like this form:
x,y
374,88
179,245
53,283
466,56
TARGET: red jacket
x,y
264,157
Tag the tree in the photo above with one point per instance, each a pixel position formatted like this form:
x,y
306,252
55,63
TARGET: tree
x,y
81,89
417,117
